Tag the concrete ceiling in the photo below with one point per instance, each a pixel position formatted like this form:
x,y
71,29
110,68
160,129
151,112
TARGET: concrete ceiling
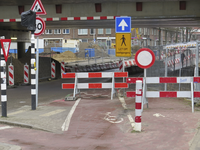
x,y
136,22
30,2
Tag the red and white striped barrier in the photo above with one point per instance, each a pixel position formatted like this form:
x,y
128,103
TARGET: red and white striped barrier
x,y
62,66
53,69
121,66
138,106
178,94
65,18
26,74
11,74
129,63
77,86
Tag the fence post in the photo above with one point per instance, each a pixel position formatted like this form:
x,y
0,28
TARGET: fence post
x,y
138,106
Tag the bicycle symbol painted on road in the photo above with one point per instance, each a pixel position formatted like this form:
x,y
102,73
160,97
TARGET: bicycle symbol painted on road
x,y
112,119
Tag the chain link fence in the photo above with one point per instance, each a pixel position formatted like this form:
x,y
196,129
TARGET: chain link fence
x,y
180,63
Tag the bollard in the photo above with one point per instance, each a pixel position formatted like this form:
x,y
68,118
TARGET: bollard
x,y
11,74
53,70
62,67
138,106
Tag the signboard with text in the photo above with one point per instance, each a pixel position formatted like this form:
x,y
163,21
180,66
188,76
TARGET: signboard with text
x,y
123,44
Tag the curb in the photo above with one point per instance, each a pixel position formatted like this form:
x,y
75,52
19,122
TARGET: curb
x,y
22,125
5,146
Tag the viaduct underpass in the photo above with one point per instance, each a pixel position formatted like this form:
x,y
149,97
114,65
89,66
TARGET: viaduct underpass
x,y
98,14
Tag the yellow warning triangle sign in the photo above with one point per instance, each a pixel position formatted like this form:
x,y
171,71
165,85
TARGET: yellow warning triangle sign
x,y
38,8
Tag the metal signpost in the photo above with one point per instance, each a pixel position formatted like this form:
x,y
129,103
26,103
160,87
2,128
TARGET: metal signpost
x,y
144,58
40,28
5,46
123,38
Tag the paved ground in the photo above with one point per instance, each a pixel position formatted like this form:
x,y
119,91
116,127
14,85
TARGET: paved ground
x,y
94,122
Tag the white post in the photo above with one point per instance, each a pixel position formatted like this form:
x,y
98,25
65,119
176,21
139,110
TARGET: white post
x,y
166,60
113,85
192,96
75,86
197,59
138,106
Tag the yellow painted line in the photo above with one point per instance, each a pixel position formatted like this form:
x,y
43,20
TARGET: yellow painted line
x,y
53,112
17,112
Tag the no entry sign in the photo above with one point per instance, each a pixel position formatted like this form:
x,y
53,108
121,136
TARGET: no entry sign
x,y
144,58
40,26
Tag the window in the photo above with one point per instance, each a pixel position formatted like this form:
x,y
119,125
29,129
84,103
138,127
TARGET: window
x,y
92,31
82,31
108,31
48,31
84,40
140,30
66,31
155,31
145,31
57,31
100,31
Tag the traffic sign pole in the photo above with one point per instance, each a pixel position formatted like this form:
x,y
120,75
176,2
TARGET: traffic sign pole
x,y
144,58
5,46
3,86
123,36
33,81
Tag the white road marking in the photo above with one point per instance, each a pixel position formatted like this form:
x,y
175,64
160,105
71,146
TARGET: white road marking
x,y
158,115
53,112
131,120
112,119
5,127
121,99
65,125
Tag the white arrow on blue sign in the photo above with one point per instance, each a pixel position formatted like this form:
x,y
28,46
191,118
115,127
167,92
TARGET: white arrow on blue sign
x,y
123,24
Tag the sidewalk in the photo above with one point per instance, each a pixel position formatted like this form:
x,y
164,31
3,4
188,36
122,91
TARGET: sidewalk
x,y
168,123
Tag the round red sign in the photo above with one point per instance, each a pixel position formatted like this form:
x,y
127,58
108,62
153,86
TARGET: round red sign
x,y
144,58
40,26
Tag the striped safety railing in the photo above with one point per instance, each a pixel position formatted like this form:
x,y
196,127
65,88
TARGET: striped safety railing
x,y
77,86
156,94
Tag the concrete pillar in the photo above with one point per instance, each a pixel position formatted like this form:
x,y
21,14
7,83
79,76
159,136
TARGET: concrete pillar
x,y
21,49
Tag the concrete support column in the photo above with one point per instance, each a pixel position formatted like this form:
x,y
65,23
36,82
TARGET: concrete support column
x,y
21,49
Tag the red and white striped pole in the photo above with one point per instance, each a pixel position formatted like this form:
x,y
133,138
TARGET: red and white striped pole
x,y
53,69
26,74
11,74
138,106
62,67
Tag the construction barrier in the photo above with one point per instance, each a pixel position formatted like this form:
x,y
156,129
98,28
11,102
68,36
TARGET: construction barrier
x,y
26,74
156,94
53,69
129,63
77,86
11,74
62,66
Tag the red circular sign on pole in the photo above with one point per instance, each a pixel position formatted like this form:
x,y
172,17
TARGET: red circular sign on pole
x,y
144,58
40,26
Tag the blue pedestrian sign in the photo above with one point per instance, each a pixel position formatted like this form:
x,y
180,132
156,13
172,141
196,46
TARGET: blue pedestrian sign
x,y
123,24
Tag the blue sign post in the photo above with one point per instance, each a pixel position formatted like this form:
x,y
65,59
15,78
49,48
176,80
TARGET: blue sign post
x,y
123,24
